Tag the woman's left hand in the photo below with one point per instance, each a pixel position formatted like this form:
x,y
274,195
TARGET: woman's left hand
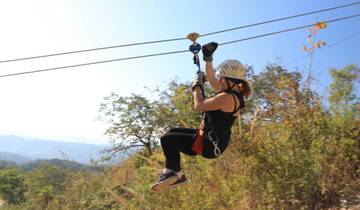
x,y
200,78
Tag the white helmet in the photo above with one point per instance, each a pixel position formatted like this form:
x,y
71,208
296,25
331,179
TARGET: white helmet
x,y
232,69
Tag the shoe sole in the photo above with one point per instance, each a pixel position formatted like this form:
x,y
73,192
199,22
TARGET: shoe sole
x,y
174,185
161,186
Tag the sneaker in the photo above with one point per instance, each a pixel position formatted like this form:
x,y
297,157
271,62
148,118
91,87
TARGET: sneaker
x,y
165,180
180,180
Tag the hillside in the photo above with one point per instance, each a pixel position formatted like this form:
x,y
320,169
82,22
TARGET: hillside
x,y
64,164
20,150
12,157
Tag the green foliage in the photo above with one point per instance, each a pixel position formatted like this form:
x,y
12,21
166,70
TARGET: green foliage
x,y
133,122
180,98
273,81
136,121
342,96
64,164
12,187
43,184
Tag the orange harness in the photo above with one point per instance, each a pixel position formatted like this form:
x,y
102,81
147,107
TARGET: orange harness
x,y
198,143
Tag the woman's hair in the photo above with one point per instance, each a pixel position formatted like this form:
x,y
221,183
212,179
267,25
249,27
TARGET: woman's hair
x,y
246,90
245,87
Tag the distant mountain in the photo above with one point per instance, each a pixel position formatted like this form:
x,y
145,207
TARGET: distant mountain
x,y
32,149
7,164
12,157
64,164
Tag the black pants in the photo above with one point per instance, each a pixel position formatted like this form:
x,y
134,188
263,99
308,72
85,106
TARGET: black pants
x,y
178,140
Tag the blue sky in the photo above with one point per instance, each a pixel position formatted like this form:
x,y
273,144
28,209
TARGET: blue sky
x,y
64,105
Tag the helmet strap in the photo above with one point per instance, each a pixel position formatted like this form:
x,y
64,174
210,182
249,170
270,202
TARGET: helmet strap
x,y
228,84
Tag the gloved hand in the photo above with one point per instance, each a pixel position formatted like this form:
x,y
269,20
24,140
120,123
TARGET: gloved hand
x,y
199,80
208,50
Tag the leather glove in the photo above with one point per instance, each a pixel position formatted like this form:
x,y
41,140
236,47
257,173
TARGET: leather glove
x,y
199,80
208,50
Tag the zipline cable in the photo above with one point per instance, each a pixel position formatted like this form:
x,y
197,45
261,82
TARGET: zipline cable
x,y
172,52
182,38
280,19
93,63
287,30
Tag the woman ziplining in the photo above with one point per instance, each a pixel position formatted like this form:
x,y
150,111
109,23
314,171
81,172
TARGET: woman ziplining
x,y
220,110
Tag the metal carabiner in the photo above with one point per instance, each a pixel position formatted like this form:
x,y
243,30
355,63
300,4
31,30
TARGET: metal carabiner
x,y
217,150
213,136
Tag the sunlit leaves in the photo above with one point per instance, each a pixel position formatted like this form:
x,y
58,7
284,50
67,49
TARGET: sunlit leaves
x,y
315,44
320,25
319,44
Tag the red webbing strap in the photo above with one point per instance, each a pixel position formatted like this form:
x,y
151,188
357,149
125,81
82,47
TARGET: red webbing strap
x,y
198,143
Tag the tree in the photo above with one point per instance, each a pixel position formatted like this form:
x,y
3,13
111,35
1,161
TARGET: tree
x,y
342,97
12,187
134,122
180,98
44,184
137,122
274,88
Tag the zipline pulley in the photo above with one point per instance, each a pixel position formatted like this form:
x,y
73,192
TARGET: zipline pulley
x,y
195,48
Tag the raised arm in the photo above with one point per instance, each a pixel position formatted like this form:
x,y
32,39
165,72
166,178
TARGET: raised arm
x,y
208,51
210,76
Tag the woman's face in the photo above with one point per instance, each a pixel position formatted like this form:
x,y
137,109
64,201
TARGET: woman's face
x,y
223,83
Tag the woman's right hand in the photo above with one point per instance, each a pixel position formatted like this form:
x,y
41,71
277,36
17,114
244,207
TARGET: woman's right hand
x,y
208,50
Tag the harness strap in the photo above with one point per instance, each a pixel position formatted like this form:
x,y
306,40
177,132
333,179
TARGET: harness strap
x,y
241,101
197,146
235,104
